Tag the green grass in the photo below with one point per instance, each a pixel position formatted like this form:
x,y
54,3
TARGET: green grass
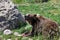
x,y
49,10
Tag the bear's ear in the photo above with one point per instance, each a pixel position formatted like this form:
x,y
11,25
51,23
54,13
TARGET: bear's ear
x,y
27,14
35,15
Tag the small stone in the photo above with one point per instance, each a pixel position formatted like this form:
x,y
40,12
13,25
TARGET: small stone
x,y
8,39
7,32
16,34
30,39
59,26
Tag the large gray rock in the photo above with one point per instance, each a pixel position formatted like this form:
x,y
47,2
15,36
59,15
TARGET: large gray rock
x,y
10,17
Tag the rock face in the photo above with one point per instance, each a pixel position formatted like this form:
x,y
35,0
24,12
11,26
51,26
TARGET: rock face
x,y
10,17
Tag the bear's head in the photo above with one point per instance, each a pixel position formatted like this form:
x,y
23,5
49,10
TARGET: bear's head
x,y
31,18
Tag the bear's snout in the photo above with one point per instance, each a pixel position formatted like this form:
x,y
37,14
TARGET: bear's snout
x,y
26,17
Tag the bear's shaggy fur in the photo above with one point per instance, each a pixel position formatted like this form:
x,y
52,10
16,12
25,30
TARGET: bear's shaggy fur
x,y
42,25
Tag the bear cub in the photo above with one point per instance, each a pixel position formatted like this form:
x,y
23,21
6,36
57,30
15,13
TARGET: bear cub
x,y
41,25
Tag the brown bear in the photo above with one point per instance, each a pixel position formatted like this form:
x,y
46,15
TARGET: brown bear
x,y
41,25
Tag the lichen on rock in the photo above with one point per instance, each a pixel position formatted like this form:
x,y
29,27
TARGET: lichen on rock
x,y
10,17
